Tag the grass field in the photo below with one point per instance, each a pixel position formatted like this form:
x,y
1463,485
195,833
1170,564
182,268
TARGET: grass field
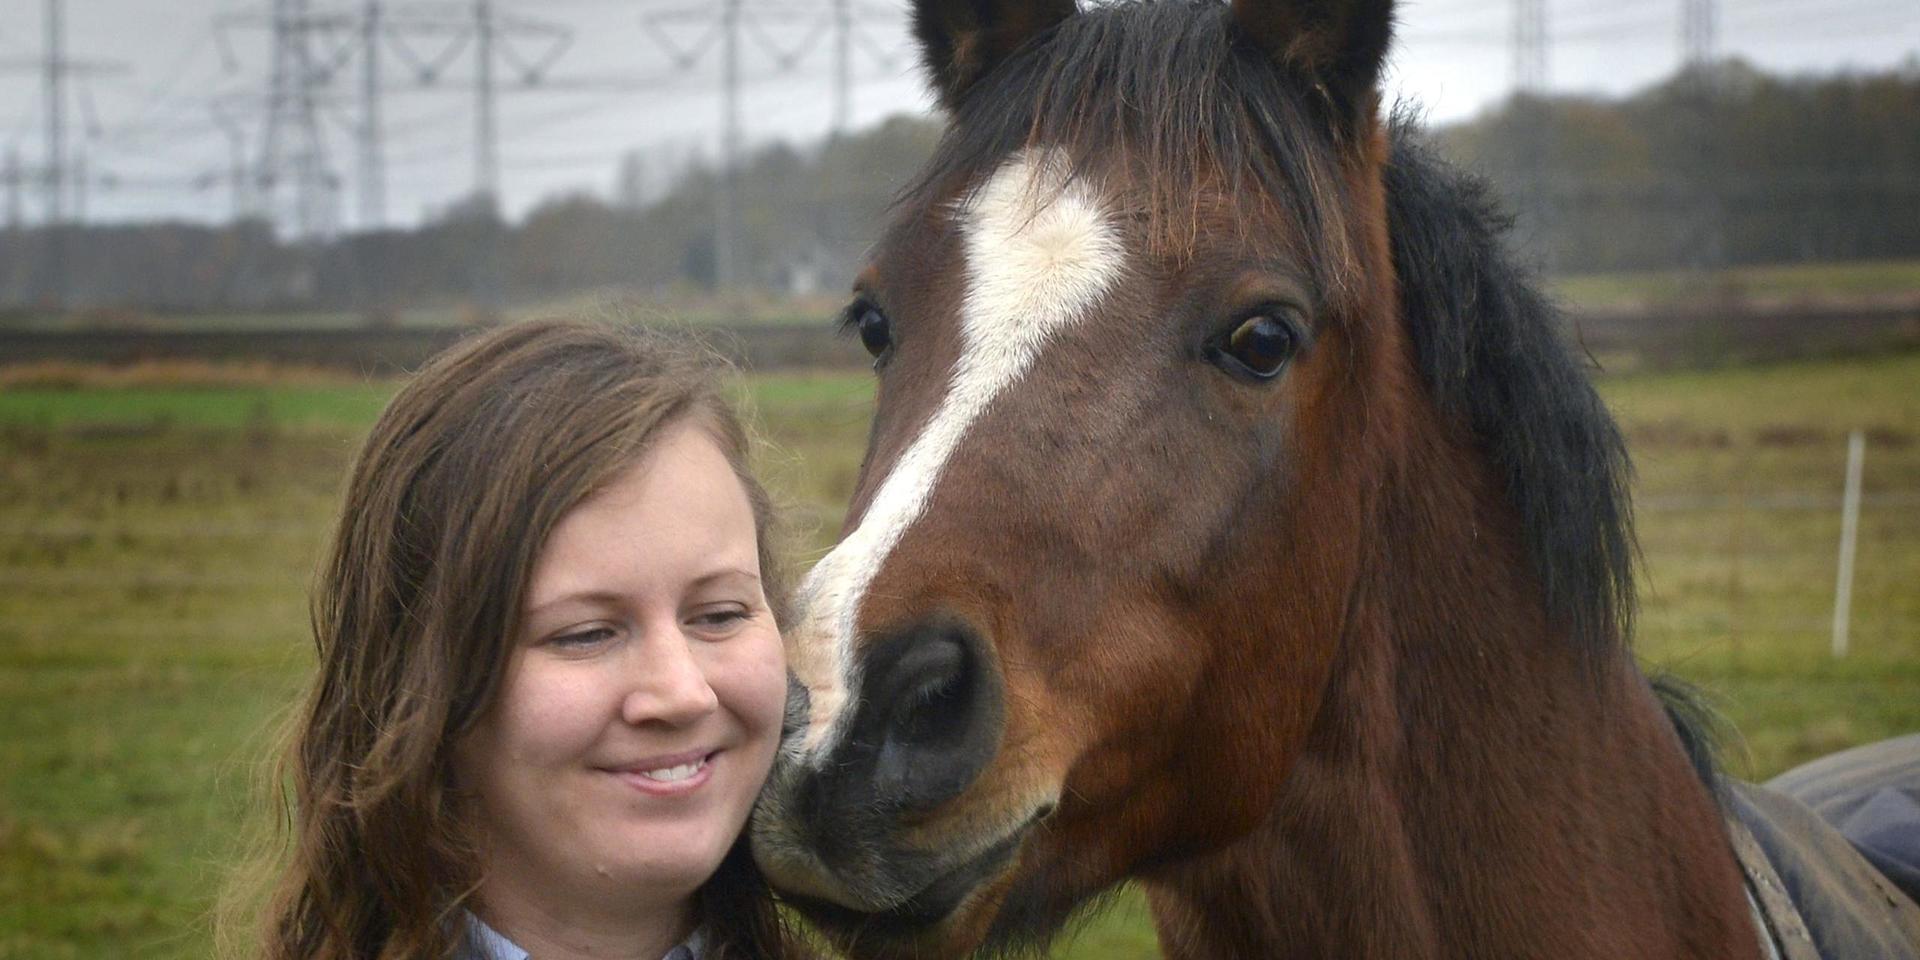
x,y
683,306
156,544
1767,283
1777,283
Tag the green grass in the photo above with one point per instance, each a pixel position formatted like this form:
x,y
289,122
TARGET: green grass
x,y
340,408
1740,600
156,546
1777,282
1868,279
350,406
686,307
1829,397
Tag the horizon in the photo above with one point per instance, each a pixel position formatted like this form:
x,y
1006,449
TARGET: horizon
x,y
154,150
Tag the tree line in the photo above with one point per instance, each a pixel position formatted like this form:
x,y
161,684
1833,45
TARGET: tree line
x,y
1725,166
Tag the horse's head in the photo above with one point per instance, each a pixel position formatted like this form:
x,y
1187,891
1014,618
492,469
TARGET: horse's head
x,y
1123,325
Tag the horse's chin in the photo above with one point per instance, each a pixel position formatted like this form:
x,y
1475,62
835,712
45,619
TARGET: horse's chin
x,y
949,913
950,918
932,888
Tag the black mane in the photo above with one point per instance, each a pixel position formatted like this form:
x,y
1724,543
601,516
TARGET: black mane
x,y
1490,348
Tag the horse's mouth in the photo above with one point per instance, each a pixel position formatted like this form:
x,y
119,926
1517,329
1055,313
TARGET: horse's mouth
x,y
923,912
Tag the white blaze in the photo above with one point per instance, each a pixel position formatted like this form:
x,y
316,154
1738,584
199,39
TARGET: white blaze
x,y
1040,253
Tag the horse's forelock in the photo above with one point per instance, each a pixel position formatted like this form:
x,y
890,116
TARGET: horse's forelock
x,y
1156,98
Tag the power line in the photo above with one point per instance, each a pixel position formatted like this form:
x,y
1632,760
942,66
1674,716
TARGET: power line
x,y
177,71
1606,6
14,176
1602,20
57,70
1822,8
724,27
1457,8
59,178
1529,46
445,31
1622,30
1698,20
1882,17
486,175
436,34
292,114
373,172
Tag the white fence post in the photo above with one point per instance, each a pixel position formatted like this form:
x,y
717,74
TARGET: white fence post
x,y
1849,540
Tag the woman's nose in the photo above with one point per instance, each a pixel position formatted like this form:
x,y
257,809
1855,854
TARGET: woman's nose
x,y
669,684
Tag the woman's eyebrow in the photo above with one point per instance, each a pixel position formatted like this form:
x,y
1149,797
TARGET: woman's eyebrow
x,y
615,597
728,573
602,597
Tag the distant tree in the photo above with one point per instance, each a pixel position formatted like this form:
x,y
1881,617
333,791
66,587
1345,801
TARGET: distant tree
x,y
1727,165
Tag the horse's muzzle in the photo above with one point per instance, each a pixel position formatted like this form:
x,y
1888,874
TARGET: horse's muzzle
x,y
854,828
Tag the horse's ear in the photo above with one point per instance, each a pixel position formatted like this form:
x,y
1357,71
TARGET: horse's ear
x,y
960,40
1340,44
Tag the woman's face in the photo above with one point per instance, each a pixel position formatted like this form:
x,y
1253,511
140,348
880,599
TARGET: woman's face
x,y
642,702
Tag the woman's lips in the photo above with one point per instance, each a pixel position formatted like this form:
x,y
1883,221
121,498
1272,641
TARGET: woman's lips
x,y
669,775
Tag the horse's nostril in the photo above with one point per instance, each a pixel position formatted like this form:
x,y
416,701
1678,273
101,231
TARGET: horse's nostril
x,y
931,715
932,687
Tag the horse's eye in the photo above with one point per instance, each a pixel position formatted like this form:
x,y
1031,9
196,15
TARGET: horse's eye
x,y
1261,345
876,331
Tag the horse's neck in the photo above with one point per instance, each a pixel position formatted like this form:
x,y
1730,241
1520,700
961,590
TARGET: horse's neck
x,y
1474,788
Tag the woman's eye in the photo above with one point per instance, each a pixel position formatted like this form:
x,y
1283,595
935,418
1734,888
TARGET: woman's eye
x,y
583,638
722,617
1261,345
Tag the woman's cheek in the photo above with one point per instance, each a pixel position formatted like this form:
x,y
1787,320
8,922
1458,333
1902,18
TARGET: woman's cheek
x,y
764,679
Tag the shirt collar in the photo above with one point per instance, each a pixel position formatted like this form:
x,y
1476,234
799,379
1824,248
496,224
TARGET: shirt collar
x,y
486,943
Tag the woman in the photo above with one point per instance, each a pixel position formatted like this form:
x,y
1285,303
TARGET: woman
x,y
550,677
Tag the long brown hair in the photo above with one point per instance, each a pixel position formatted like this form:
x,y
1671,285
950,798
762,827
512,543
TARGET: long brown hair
x,y
460,482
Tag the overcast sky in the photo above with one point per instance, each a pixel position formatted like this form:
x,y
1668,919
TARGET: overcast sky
x,y
153,148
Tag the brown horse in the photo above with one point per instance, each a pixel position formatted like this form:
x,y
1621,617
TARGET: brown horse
x,y
1233,522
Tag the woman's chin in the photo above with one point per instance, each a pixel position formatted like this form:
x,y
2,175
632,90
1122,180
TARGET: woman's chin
x,y
681,866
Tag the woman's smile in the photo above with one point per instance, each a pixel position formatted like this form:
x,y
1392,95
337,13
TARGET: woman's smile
x,y
673,775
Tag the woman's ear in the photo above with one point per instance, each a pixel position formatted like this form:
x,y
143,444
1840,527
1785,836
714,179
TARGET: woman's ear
x,y
1339,45
962,40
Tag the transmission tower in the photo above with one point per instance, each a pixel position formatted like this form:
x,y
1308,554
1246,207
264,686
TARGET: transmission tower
x,y
1697,28
726,26
842,66
1705,239
373,166
293,182
1529,46
238,181
57,175
79,166
13,175
1530,113
56,113
727,211
379,27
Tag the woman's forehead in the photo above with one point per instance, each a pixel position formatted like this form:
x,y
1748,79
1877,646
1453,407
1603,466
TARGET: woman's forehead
x,y
680,511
